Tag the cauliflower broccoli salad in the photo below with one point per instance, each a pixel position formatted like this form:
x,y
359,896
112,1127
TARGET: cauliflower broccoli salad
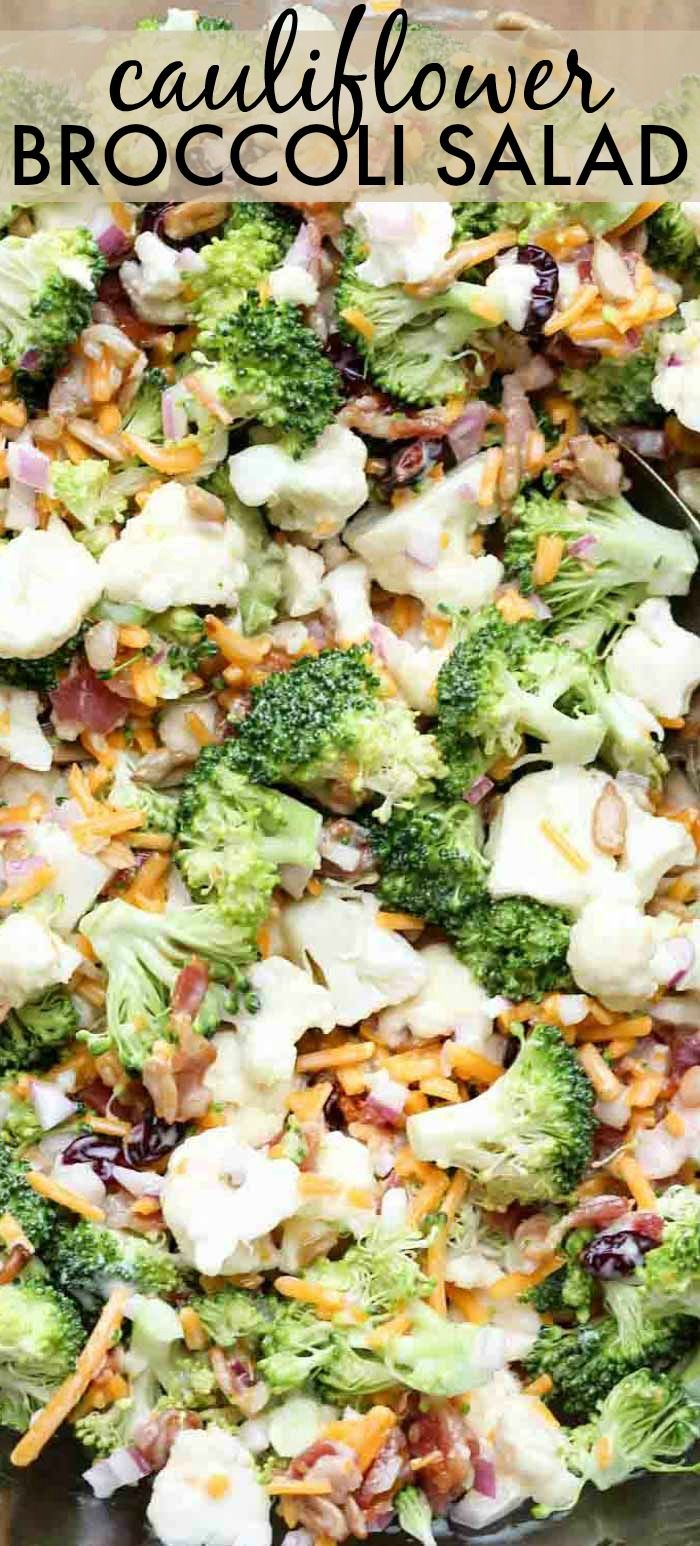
x,y
349,892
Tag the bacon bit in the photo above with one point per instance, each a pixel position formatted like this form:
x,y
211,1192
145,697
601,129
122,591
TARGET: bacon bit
x,y
470,1304
562,320
609,822
472,1066
325,1301
69,1393
173,460
397,921
539,1387
605,1083
558,840
365,1435
516,1283
348,1052
308,1105
193,1330
23,890
550,551
190,989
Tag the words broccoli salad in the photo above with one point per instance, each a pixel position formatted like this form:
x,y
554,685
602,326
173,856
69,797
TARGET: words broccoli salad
x,y
350,899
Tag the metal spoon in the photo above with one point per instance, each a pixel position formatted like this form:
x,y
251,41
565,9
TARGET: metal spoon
x,y
654,497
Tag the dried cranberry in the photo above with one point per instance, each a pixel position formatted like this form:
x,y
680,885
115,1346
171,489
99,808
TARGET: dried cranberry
x,y
685,1051
544,292
616,1254
349,365
94,1149
149,1140
414,460
153,219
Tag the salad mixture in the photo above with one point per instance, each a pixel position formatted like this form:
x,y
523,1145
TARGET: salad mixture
x,y
350,898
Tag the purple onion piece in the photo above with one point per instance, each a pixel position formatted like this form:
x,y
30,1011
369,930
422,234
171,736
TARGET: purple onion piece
x,y
149,1140
94,1149
544,292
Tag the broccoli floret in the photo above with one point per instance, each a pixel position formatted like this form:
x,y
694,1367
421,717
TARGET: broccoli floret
x,y
672,243
158,808
144,415
36,1216
203,24
101,1433
430,860
531,216
48,285
44,674
626,556
648,1422
506,680
324,723
441,1357
20,1127
182,625
476,217
189,1382
379,1273
144,954
570,1287
415,1515
614,392
273,369
233,836
31,1036
230,1315
259,599
88,1259
41,1335
586,1362
296,1345
92,492
517,947
528,1137
253,242
670,1274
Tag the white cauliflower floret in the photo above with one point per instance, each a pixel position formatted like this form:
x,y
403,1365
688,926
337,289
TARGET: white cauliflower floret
x,y
208,1493
346,1161
511,285
290,1004
656,661
174,730
255,1112
450,1001
302,580
17,784
406,242
414,667
347,593
363,966
294,284
169,557
48,582
155,284
611,951
676,385
220,1194
661,1152
421,547
528,1450
546,813
316,493
31,958
77,880
21,736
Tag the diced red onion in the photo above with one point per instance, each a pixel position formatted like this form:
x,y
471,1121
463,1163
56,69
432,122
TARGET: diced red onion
x,y
81,1179
140,1183
174,415
424,549
123,1468
479,790
21,510
50,1104
28,465
572,1008
305,248
541,610
297,1538
111,240
19,869
31,360
583,547
465,436
101,645
675,957
484,1477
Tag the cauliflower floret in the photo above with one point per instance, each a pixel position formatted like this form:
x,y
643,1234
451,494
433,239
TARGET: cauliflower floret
x,y
174,729
78,877
415,668
449,1001
290,1004
220,1193
316,493
208,1493
660,1152
302,580
169,557
255,1112
656,661
17,784
290,282
155,284
421,548
676,385
347,592
528,1450
511,285
21,736
406,242
31,958
348,1162
544,813
364,967
48,582
611,952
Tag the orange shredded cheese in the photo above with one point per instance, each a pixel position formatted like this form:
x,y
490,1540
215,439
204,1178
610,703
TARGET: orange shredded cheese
x,y
561,320
47,1187
642,212
308,1105
489,477
548,557
326,1301
396,1327
293,1487
470,1304
626,1168
436,1255
32,885
197,728
98,1344
236,649
539,1387
516,1283
473,1066
513,607
346,1053
428,1198
566,849
396,921
366,1435
605,1083
357,319
193,1330
440,1088
173,460
674,1124
12,1233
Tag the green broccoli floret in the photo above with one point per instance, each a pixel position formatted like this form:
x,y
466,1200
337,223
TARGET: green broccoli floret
x,y
296,1345
41,1335
252,243
670,1274
614,392
586,1362
144,415
430,860
528,1137
273,369
476,217
230,1316
530,216
36,1216
101,1433
259,599
506,680
182,625
350,1372
158,808
672,243
44,674
415,1515
189,1382
233,836
624,557
30,1036
570,1287
92,492
379,1273
517,947
441,1357
647,1422
20,1127
203,24
325,723
144,954
48,285
88,1259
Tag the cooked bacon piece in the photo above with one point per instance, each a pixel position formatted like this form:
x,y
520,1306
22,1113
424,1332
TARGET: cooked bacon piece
x,y
442,1428
82,699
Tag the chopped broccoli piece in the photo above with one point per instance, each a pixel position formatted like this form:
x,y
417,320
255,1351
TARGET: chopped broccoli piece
x,y
476,217
430,860
571,1287
101,1433
670,1273
517,947
48,285
415,1515
441,1357
44,674
233,836
41,1335
528,1137
647,1422
88,1259
20,1127
273,369
324,723
614,392
628,557
672,243
586,1362
350,1372
92,492
144,954
252,243
296,1345
36,1216
182,625
379,1273
230,1315
189,1381
158,808
30,1036
144,415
